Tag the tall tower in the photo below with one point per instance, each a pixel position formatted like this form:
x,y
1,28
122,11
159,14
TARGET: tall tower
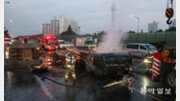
x,y
113,10
46,28
55,26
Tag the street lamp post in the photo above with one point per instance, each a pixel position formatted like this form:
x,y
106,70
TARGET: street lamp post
x,y
137,25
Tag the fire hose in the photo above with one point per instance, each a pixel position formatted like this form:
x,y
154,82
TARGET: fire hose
x,y
59,83
44,76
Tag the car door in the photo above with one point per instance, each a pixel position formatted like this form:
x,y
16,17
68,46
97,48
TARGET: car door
x,y
142,51
136,50
132,49
129,49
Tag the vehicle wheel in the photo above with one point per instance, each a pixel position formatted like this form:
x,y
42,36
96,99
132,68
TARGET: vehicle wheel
x,y
148,73
171,79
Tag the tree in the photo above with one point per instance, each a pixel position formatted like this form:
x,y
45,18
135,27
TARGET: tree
x,y
131,31
69,31
6,34
160,30
171,29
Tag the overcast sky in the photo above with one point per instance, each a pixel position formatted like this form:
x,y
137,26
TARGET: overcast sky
x,y
92,15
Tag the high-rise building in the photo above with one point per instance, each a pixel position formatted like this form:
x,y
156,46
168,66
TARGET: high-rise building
x,y
65,22
46,28
173,24
153,27
54,26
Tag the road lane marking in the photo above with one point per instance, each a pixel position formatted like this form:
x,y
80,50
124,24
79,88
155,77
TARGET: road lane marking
x,y
50,96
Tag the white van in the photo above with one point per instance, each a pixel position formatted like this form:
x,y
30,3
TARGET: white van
x,y
140,49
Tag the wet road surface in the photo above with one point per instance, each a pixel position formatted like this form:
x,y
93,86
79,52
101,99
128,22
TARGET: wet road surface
x,y
22,85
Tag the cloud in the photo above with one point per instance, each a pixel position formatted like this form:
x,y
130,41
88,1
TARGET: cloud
x,y
92,15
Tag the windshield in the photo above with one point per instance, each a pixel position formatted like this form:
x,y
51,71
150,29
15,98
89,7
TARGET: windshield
x,y
109,59
32,41
62,42
52,41
150,47
21,39
89,42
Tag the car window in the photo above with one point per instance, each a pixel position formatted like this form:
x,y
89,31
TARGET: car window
x,y
62,42
52,41
109,59
32,41
150,47
20,39
132,46
89,42
142,47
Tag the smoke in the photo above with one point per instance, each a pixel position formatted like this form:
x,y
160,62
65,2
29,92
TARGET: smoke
x,y
112,41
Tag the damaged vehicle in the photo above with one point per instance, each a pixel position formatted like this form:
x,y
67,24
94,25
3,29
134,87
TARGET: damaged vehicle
x,y
112,64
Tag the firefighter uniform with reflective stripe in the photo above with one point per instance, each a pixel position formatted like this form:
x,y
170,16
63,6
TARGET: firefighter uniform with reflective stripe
x,y
70,66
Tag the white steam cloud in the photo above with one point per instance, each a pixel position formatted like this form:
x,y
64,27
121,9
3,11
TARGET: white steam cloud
x,y
112,41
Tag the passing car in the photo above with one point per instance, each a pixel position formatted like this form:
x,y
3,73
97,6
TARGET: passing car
x,y
90,44
140,49
64,44
69,44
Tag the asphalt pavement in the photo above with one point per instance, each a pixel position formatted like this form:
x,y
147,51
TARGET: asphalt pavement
x,y
22,85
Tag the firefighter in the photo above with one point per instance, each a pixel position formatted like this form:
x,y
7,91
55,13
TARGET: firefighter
x,y
70,66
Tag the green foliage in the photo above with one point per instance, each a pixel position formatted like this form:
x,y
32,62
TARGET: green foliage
x,y
171,29
160,30
6,34
131,31
68,32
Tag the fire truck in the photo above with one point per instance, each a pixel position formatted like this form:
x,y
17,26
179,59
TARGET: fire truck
x,y
49,42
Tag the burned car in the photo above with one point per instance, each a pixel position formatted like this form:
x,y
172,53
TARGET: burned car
x,y
109,63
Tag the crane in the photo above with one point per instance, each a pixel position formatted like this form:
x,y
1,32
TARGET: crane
x,y
169,11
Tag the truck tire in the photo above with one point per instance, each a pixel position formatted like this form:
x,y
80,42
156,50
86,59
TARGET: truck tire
x,y
170,79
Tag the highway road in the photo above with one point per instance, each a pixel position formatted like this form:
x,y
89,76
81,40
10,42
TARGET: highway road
x,y
23,85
